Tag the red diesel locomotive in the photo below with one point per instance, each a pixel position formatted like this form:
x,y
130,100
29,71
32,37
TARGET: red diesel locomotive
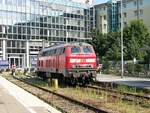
x,y
74,62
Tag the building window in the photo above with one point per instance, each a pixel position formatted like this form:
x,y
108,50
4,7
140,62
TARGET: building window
x,y
135,13
124,5
1,43
104,17
104,8
78,34
125,23
79,22
100,17
104,26
53,19
141,11
8,43
141,2
125,14
119,15
57,33
100,26
13,43
134,3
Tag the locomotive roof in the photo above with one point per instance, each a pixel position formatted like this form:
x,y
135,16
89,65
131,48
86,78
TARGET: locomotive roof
x,y
66,44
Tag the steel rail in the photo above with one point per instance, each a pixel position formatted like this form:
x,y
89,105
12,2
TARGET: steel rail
x,y
119,92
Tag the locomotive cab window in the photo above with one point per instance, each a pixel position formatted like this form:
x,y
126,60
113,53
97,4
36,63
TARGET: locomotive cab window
x,y
60,51
87,49
75,50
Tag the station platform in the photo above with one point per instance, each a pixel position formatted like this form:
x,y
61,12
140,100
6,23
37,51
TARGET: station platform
x,y
13,99
129,81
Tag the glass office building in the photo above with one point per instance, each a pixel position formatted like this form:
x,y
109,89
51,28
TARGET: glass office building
x,y
28,25
114,15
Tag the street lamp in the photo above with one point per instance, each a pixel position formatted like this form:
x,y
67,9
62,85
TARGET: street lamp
x,y
122,68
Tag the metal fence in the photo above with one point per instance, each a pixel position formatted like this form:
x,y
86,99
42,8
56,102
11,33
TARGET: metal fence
x,y
138,70
130,69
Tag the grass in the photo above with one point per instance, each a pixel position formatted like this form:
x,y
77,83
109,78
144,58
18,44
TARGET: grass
x,y
102,98
134,90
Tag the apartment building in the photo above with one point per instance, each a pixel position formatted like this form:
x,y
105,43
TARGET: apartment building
x,y
136,9
101,16
107,16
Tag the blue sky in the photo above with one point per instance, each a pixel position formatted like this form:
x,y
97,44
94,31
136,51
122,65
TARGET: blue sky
x,y
99,1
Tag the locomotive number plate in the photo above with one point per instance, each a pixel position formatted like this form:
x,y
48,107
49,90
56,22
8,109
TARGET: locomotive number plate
x,y
83,60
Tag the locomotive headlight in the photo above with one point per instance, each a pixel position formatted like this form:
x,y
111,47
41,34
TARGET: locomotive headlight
x,y
72,60
91,60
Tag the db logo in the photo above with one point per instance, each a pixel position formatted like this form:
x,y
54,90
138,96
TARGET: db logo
x,y
83,60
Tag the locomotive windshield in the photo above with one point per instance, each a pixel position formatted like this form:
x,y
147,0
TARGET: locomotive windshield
x,y
87,49
75,50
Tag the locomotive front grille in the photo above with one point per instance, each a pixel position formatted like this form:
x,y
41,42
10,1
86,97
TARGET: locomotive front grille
x,y
83,66
80,72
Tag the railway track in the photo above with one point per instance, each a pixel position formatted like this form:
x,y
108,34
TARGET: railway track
x,y
63,103
139,99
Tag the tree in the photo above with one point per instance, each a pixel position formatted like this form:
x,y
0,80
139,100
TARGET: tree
x,y
108,46
99,42
136,36
113,53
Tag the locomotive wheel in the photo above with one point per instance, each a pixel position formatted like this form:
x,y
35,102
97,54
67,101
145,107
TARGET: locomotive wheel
x,y
44,76
87,80
73,81
67,81
82,80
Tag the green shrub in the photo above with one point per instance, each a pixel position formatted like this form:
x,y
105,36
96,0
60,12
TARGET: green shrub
x,y
2,70
138,68
129,68
133,68
19,72
7,70
106,67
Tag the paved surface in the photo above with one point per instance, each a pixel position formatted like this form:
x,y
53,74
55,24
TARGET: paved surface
x,y
131,81
15,100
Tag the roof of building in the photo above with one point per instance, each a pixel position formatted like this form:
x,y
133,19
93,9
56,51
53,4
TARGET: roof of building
x,y
128,0
103,4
